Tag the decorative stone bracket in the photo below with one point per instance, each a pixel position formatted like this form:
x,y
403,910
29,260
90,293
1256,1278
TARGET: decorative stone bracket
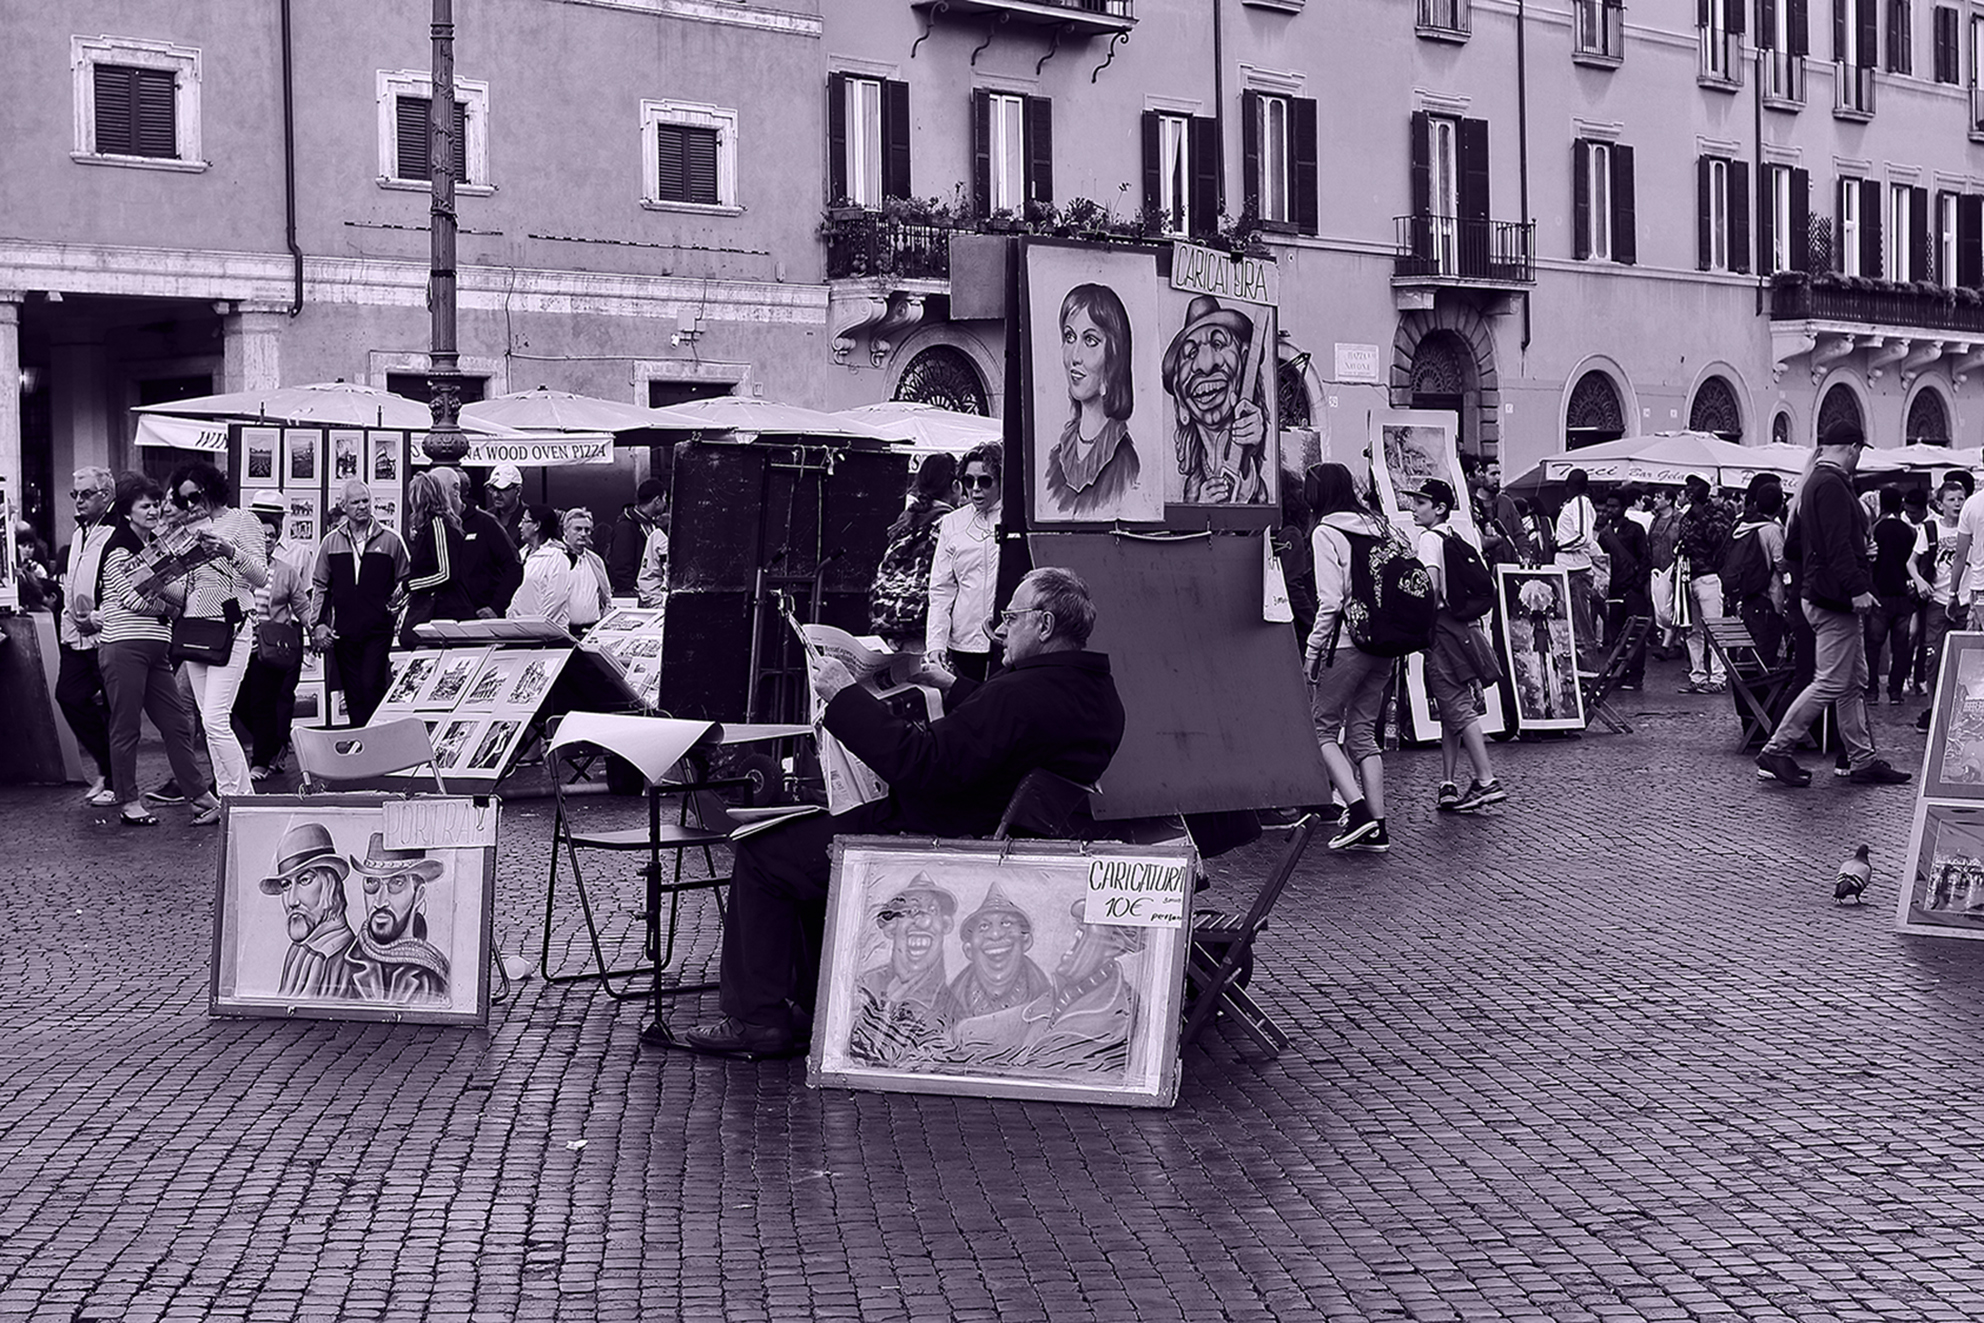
x,y
1823,347
865,313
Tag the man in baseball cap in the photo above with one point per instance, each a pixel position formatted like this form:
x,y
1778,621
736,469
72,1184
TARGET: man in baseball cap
x,y
505,486
309,875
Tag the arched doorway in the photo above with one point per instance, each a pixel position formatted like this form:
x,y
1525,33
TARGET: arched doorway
x,y
1839,408
1292,395
1594,413
1715,410
944,377
1928,420
1444,358
1443,379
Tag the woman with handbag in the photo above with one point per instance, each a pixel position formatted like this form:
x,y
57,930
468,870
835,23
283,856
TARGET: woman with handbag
x,y
267,702
132,645
220,598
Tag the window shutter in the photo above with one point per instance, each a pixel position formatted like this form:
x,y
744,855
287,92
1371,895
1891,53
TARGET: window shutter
x,y
1945,42
1870,229
1704,13
1943,275
1739,216
981,152
1039,149
1867,47
1472,142
700,158
837,180
410,138
1970,240
1250,150
1733,16
1766,219
1153,141
116,108
1919,245
895,139
1841,51
1800,43
1801,220
1580,199
1703,241
1625,242
1207,171
673,180
157,130
1767,24
1303,178
1906,9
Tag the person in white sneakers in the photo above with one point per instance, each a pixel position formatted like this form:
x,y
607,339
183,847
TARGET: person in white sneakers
x,y
1459,662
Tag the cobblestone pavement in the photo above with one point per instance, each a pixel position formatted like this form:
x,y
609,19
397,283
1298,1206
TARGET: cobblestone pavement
x,y
1609,1054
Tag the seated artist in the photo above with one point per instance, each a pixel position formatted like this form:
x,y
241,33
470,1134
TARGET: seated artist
x,y
1054,706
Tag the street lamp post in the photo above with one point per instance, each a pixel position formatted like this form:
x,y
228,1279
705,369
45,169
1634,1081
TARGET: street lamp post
x,y
445,443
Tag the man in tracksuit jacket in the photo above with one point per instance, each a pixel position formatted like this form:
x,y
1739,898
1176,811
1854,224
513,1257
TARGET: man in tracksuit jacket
x,y
1828,540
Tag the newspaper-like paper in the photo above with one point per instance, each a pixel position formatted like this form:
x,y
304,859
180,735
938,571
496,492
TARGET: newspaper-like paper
x,y
883,673
175,553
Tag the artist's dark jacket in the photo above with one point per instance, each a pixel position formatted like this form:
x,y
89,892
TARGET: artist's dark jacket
x,y
1058,710
490,570
623,553
1828,541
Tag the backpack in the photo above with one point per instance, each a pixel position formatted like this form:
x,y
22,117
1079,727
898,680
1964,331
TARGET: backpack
x,y
1746,567
1391,607
1925,563
1470,587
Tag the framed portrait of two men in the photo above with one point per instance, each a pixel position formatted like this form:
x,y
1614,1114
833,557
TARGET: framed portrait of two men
x,y
1017,969
355,907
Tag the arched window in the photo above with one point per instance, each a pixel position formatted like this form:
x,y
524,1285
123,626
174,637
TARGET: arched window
x,y
943,376
1291,395
1715,410
1780,429
1928,420
1594,413
1839,407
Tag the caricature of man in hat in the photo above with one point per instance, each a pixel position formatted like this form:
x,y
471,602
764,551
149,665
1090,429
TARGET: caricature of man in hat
x,y
395,962
1221,435
998,974
897,1021
309,876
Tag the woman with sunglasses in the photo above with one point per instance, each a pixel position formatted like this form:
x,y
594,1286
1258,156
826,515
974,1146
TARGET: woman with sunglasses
x,y
131,648
546,592
964,571
222,589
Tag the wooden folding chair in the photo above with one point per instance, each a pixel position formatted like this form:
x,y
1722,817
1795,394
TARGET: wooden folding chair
x,y
1046,806
1761,691
1221,959
1597,686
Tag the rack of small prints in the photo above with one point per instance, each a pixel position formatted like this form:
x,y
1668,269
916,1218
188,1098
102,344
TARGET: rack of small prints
x,y
480,703
631,637
309,467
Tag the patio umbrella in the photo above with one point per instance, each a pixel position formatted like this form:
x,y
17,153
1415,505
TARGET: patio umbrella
x,y
738,413
1661,457
1918,459
926,425
325,404
544,410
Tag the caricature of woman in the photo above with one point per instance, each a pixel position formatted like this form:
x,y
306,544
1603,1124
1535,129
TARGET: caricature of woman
x,y
1094,465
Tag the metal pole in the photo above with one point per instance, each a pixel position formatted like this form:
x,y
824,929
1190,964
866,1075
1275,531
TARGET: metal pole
x,y
445,443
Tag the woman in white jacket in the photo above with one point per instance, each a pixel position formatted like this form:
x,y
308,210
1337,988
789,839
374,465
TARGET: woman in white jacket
x,y
1348,693
964,571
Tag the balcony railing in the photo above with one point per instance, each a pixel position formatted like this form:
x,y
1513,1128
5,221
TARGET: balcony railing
x,y
866,243
1884,305
1497,252
1598,31
1446,20
1783,76
1722,58
1852,90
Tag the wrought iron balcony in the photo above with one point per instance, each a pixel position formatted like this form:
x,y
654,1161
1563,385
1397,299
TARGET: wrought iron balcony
x,y
1878,303
1444,20
1079,17
1783,78
862,244
1598,32
1852,90
1451,249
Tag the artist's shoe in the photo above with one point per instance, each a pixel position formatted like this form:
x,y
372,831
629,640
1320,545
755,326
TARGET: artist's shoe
x,y
730,1037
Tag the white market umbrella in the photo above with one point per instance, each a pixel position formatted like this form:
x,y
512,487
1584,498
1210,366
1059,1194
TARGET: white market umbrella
x,y
1668,458
544,410
738,413
926,425
1919,459
323,404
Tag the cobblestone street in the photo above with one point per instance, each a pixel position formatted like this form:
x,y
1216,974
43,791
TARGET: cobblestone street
x,y
1609,1054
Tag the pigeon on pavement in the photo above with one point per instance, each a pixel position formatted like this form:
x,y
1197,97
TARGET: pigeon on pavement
x,y
1853,877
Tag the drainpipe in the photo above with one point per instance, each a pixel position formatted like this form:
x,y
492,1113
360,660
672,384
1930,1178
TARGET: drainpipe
x,y
1219,90
1522,145
1757,178
289,166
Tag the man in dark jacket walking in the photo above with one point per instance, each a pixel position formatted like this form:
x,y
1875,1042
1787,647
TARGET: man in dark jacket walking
x,y
1053,706
1828,539
630,536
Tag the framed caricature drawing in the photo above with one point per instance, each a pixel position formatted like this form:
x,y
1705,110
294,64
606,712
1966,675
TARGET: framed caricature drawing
x,y
1539,647
1216,364
993,968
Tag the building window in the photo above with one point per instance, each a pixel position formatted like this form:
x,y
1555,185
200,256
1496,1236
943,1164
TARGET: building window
x,y
1722,214
1598,31
1449,231
1928,420
1013,151
945,377
867,139
1721,26
1901,37
1977,74
1593,413
1444,20
1946,241
137,103
1715,410
1602,207
1780,429
691,152
1855,53
1181,172
1859,211
1907,253
1784,242
1782,45
404,99
1839,408
1945,40
1278,139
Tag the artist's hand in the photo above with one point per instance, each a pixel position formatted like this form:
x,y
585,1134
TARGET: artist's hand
x,y
1865,602
322,637
933,674
831,678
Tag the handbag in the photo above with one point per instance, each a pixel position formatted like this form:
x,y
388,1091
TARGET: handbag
x,y
209,642
279,644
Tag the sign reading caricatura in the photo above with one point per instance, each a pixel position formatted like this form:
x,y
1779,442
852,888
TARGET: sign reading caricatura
x,y
1199,270
539,451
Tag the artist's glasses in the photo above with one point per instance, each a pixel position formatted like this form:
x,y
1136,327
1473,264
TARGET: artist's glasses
x,y
1007,617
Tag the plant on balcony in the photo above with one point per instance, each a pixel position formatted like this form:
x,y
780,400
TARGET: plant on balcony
x,y
1241,235
1966,297
1792,279
1828,280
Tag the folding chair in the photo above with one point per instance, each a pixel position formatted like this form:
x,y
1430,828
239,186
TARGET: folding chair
x,y
655,747
1760,691
1221,959
1046,806
370,753
1597,686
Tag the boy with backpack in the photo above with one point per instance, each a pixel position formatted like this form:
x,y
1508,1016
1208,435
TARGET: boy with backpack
x,y
1459,661
1753,569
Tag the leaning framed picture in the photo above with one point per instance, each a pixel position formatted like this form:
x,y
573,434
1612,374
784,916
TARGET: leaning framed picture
x,y
1953,761
1539,646
1942,893
1409,446
355,907
1014,969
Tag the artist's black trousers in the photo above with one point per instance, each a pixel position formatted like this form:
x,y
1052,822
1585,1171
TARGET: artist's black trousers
x,y
365,665
777,913
79,693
